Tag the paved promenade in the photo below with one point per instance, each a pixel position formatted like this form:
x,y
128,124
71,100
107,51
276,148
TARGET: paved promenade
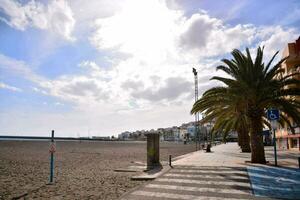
x,y
223,174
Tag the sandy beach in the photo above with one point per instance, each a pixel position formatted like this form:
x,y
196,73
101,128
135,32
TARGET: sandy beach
x,y
83,170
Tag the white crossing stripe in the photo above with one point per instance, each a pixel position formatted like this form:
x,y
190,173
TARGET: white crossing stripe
x,y
205,167
211,171
231,183
177,196
203,176
197,189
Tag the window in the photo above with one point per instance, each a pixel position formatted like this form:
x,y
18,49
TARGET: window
x,y
294,143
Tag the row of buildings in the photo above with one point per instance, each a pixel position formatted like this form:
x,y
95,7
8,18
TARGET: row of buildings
x,y
185,132
286,139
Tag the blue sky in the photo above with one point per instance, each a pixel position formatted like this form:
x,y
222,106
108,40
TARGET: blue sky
x,y
103,67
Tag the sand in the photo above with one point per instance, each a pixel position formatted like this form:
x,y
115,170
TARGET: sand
x,y
82,170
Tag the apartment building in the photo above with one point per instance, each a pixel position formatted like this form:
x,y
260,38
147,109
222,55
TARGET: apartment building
x,y
284,136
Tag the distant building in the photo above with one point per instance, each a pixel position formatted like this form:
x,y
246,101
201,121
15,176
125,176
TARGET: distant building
x,y
170,134
285,138
125,135
191,130
139,135
101,137
183,133
176,133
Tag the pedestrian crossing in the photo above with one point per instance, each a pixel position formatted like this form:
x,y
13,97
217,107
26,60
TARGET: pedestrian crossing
x,y
197,183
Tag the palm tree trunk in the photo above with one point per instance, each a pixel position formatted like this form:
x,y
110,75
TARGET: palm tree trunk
x,y
239,139
256,138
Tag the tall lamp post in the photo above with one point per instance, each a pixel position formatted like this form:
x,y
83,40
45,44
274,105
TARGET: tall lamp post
x,y
196,114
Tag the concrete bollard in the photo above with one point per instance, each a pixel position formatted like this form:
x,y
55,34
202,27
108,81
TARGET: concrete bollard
x,y
153,151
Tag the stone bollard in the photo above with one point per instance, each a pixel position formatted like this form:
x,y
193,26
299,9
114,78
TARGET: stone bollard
x,y
152,151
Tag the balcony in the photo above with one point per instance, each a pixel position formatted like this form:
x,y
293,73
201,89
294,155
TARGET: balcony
x,y
297,131
294,70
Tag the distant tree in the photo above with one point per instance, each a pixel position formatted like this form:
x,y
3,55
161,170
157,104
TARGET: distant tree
x,y
228,115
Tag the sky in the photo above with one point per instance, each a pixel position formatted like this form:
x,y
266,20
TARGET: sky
x,y
101,67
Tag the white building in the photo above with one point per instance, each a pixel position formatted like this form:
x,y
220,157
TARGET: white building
x,y
183,133
125,135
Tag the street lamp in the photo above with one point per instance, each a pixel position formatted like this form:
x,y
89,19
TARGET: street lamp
x,y
196,114
195,72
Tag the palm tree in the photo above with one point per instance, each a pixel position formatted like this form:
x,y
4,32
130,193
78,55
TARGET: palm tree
x,y
218,105
252,88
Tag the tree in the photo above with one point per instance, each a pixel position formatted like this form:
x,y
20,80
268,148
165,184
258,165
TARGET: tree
x,y
252,88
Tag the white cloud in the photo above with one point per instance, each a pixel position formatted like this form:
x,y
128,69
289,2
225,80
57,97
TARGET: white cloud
x,y
276,39
19,68
85,12
39,90
136,30
206,36
197,31
132,85
80,89
11,65
58,104
173,88
57,17
8,87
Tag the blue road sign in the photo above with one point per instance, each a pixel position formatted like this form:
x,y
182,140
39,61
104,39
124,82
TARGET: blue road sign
x,y
273,114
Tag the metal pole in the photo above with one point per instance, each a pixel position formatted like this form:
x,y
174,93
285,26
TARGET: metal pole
x,y
52,159
170,160
274,142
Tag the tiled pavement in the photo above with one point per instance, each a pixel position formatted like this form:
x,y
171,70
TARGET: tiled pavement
x,y
219,175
